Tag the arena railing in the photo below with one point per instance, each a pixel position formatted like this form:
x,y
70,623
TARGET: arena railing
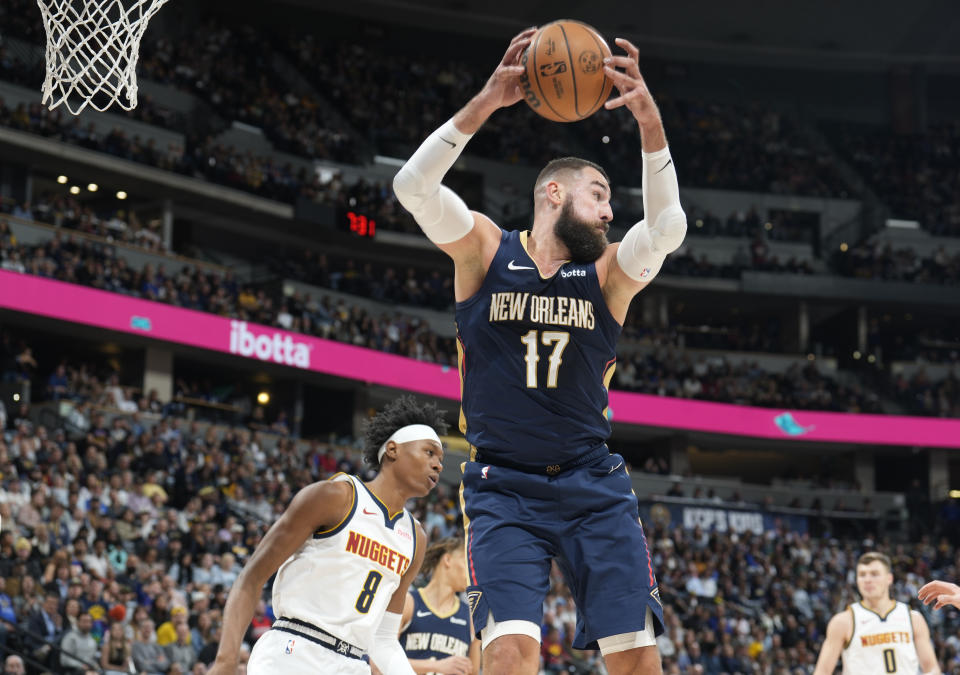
x,y
30,642
32,232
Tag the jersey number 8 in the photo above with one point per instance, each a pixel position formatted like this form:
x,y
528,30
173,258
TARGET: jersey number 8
x,y
370,586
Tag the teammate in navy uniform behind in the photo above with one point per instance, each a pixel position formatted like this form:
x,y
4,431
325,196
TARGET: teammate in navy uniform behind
x,y
344,553
877,634
538,316
438,633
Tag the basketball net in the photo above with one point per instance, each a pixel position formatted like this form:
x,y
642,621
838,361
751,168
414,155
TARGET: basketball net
x,y
92,51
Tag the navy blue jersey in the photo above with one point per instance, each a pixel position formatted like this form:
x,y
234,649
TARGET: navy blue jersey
x,y
436,636
536,357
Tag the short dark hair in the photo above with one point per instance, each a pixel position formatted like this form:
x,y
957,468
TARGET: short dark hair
x,y
876,556
555,166
399,413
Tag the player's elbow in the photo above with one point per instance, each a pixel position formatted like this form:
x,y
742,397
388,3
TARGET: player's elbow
x,y
670,229
408,187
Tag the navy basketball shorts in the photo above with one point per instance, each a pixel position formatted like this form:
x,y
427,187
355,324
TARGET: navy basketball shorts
x,y
586,518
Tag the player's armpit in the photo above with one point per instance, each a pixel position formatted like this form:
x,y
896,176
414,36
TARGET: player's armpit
x,y
472,256
399,599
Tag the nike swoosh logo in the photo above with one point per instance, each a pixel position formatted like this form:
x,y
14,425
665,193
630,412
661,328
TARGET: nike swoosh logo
x,y
669,162
369,513
450,143
423,614
513,266
619,464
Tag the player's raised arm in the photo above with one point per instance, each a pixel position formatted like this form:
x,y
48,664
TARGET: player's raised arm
x,y
315,507
839,631
645,246
941,593
386,651
470,238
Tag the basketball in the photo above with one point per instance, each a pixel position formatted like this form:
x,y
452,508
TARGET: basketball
x,y
564,79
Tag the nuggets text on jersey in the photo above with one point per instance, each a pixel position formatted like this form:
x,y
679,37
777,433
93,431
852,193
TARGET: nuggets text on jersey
x,y
377,552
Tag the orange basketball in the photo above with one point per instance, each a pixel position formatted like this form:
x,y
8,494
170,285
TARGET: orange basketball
x,y
564,79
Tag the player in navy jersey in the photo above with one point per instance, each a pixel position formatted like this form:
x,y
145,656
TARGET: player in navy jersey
x,y
437,632
538,315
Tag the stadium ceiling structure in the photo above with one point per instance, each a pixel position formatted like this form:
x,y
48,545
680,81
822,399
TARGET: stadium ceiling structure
x,y
833,33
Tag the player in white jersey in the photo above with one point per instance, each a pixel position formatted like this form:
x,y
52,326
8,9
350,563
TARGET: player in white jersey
x,y
878,634
344,553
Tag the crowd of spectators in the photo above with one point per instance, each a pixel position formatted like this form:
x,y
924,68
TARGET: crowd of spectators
x,y
650,361
120,541
232,69
744,382
879,260
922,394
202,158
386,283
917,175
66,258
724,146
67,212
748,224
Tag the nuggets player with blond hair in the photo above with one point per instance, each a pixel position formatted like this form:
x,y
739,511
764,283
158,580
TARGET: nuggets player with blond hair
x,y
345,553
878,634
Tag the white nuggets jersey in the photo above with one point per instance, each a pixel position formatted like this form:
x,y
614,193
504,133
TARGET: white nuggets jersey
x,y
881,644
342,579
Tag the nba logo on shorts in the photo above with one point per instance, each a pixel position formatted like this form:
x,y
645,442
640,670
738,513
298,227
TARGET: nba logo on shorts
x,y
289,648
483,471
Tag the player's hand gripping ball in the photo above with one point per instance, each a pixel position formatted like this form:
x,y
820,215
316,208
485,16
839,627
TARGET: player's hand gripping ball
x,y
564,79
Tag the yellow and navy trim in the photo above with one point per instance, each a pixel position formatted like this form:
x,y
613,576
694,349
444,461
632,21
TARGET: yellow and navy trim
x,y
608,370
853,627
462,371
323,534
437,614
413,529
388,520
468,549
523,242
883,617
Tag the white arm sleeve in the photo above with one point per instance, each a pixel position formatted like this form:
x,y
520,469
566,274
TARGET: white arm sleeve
x,y
643,250
659,182
439,212
386,651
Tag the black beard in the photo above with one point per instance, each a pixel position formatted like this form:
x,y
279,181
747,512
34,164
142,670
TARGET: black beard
x,y
580,237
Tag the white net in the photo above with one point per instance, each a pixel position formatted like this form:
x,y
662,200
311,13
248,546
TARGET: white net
x,y
92,51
